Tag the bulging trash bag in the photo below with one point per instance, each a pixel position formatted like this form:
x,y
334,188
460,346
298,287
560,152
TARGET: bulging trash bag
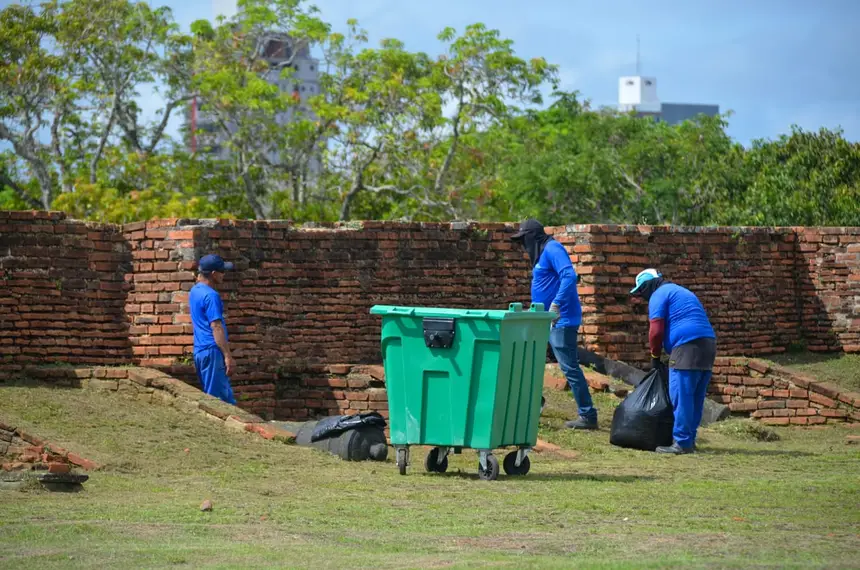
x,y
644,420
336,425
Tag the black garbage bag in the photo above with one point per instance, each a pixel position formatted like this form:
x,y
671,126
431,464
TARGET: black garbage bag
x,y
644,420
335,425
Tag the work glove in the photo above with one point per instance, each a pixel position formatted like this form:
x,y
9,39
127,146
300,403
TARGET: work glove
x,y
554,308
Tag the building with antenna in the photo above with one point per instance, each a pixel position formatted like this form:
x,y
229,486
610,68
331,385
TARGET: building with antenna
x,y
638,94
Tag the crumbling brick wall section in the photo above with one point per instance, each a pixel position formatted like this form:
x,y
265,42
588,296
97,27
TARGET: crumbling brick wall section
x,y
164,254
62,290
828,269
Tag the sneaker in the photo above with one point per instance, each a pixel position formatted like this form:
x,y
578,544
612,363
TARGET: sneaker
x,y
581,423
674,449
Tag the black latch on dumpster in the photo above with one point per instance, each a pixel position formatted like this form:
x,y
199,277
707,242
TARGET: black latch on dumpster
x,y
438,333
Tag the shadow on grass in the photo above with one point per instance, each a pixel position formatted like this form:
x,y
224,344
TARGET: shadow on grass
x,y
74,384
63,487
601,477
762,452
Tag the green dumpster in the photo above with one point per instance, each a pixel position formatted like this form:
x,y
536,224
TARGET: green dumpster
x,y
464,379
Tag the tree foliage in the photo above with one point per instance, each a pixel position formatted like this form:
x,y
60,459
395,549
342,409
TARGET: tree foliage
x,y
391,134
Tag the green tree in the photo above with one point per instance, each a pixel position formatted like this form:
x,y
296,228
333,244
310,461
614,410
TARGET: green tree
x,y
570,163
805,178
72,72
233,76
404,149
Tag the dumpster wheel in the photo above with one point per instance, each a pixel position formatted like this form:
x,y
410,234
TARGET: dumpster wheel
x,y
491,473
510,464
432,463
402,455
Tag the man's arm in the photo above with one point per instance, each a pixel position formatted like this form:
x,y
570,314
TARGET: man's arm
x,y
658,311
221,341
564,269
656,332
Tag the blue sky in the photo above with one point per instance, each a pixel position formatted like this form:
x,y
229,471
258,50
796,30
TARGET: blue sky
x,y
774,63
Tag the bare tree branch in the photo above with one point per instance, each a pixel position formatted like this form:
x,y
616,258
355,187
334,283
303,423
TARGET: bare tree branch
x,y
97,155
159,130
455,139
28,150
5,180
56,145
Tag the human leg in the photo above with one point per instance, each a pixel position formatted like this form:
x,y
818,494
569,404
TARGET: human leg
x,y
682,392
703,378
563,342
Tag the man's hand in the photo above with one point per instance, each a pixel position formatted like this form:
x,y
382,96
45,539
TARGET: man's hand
x,y
554,308
230,364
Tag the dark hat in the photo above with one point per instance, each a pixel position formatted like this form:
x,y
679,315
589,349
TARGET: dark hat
x,y
529,226
212,262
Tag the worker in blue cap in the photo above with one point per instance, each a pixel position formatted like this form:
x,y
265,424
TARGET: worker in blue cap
x,y
212,358
554,285
679,323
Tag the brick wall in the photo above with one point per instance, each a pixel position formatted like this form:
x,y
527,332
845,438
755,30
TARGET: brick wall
x,y
62,293
301,297
828,261
98,294
24,451
777,395
163,256
765,289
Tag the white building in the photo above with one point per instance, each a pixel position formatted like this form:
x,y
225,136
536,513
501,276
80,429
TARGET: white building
x,y
639,94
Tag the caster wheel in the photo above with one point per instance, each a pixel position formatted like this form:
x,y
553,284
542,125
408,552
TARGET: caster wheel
x,y
491,473
431,462
510,464
401,461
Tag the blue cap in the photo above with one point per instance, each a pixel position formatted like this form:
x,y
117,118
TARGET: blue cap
x,y
212,262
643,278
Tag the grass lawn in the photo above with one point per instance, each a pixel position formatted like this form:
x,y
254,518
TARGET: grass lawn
x,y
841,369
739,503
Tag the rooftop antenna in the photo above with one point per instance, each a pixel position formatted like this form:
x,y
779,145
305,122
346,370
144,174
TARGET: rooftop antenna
x,y
637,55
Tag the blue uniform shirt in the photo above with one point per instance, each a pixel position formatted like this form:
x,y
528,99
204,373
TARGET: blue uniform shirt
x,y
685,317
206,306
554,281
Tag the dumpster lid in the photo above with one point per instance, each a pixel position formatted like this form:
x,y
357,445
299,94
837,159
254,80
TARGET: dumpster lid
x,y
515,311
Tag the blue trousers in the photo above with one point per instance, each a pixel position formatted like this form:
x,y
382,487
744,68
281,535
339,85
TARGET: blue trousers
x,y
212,373
687,390
563,341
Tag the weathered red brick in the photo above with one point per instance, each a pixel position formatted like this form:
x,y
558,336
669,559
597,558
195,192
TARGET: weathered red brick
x,y
58,467
825,389
82,462
32,438
823,400
834,413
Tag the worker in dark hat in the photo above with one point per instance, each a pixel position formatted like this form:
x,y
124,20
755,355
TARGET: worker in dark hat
x,y
679,323
212,358
554,285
